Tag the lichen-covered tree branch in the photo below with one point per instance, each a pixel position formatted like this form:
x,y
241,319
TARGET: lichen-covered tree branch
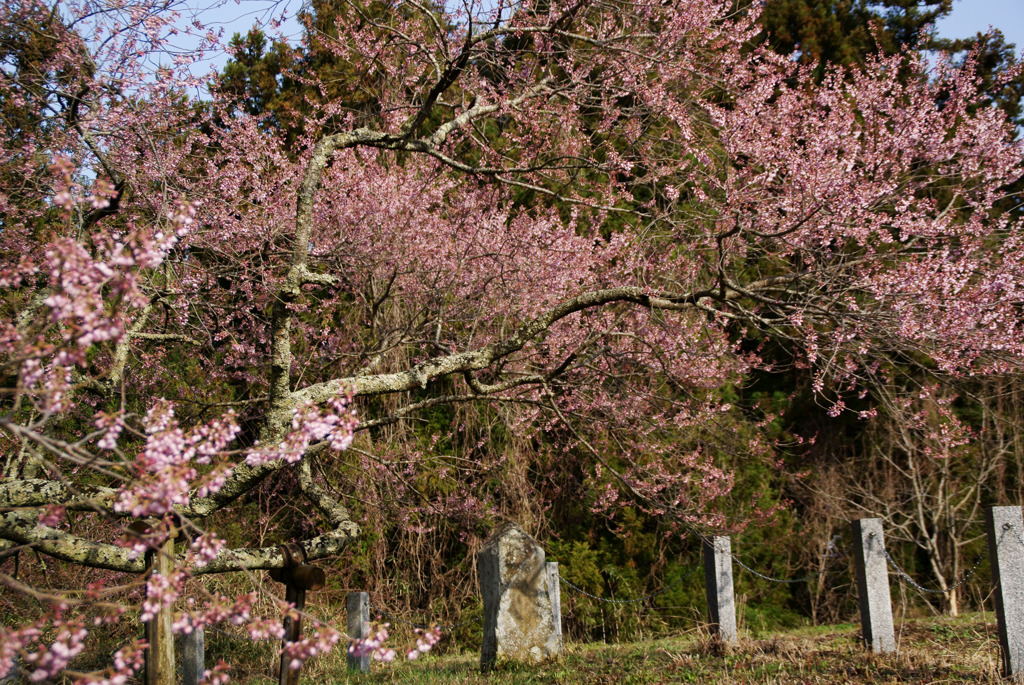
x,y
589,222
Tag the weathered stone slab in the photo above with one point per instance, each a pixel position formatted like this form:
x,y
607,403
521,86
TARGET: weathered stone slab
x,y
518,618
876,624
718,587
1006,554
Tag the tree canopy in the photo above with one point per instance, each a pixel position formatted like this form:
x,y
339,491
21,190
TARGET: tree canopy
x,y
590,218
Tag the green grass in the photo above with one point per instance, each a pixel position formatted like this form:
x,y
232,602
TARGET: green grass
x,y
931,650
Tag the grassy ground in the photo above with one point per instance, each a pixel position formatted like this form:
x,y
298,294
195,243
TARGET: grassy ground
x,y
931,650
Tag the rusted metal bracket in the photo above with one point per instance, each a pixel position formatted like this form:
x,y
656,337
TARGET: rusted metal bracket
x,y
296,571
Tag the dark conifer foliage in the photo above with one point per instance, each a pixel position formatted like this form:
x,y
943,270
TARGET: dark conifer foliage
x,y
845,31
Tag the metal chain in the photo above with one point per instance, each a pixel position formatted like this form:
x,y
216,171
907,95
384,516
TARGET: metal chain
x,y
917,586
243,638
632,601
317,622
391,617
831,552
1007,526
791,581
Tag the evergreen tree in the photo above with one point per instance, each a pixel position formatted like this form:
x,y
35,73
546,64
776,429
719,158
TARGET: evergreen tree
x,y
291,84
845,31
995,58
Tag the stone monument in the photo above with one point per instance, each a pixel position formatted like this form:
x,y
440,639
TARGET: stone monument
x,y
519,623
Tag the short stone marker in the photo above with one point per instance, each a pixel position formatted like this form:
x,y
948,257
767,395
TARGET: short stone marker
x,y
518,619
193,656
876,625
718,587
12,677
1006,554
357,605
555,597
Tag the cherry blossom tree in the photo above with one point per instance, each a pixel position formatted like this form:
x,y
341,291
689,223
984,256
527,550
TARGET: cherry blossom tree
x,y
591,215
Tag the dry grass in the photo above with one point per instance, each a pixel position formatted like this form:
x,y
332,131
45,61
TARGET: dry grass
x,y
931,650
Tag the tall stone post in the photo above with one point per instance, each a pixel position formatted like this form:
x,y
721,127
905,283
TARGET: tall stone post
x,y
719,589
555,597
357,604
876,625
518,621
1006,554
193,657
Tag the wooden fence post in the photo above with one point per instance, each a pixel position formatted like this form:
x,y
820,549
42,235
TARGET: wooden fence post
x,y
1006,553
876,625
160,667
719,588
297,577
357,604
295,596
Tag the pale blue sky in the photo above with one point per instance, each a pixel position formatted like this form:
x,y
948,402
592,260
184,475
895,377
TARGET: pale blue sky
x,y
971,16
968,18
